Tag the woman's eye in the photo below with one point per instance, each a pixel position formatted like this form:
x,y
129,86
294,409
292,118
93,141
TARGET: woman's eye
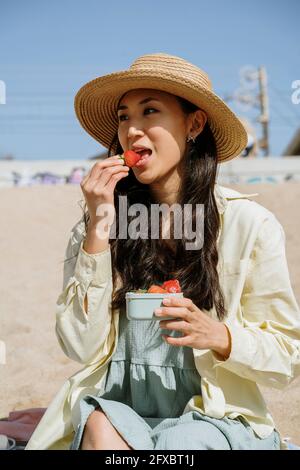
x,y
150,109
124,115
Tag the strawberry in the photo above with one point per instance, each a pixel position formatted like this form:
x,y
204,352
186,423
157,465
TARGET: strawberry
x,y
154,289
130,157
172,286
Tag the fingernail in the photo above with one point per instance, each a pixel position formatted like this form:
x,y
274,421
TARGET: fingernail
x,y
157,311
166,301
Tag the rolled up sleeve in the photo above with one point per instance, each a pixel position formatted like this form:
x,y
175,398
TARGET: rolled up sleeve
x,y
82,335
266,348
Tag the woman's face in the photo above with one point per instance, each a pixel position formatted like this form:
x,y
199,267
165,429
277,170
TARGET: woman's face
x,y
159,125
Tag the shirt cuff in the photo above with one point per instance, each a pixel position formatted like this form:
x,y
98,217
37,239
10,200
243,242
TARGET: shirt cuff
x,y
241,349
93,268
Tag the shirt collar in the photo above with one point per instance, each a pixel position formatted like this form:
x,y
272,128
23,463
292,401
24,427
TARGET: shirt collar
x,y
224,194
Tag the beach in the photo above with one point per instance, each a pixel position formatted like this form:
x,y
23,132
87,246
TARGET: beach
x,y
36,224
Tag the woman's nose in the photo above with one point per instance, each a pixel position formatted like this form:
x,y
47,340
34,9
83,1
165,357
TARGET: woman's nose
x,y
132,131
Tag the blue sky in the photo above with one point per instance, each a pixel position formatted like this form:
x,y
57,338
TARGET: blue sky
x,y
48,50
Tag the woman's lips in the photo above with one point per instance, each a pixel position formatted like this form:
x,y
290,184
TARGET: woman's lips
x,y
145,158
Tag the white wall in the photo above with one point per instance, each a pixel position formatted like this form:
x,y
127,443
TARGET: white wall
x,y
239,170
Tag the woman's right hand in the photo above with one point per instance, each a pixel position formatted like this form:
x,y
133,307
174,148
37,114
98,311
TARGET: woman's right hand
x,y
99,184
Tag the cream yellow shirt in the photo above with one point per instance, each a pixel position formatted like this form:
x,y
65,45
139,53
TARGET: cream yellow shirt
x,y
263,319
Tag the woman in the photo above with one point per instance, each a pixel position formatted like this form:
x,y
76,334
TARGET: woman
x,y
238,324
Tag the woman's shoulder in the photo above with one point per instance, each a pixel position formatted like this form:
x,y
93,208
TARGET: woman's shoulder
x,y
230,193
245,219
248,225
242,204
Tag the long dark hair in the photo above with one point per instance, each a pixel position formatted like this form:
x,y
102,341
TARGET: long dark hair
x,y
142,262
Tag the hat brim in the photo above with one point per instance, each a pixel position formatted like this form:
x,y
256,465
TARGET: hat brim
x,y
96,107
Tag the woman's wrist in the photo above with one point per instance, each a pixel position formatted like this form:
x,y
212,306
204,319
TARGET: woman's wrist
x,y
93,244
222,343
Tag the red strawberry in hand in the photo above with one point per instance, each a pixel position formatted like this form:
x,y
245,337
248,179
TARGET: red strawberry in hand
x,y
130,157
172,286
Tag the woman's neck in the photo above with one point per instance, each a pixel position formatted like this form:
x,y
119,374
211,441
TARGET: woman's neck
x,y
166,190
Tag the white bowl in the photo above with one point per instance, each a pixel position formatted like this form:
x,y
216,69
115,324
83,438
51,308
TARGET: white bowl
x,y
142,306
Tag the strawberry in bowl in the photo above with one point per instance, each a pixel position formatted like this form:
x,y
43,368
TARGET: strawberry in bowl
x,y
140,304
172,286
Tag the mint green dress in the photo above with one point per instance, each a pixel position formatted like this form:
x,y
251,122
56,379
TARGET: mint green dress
x,y
148,385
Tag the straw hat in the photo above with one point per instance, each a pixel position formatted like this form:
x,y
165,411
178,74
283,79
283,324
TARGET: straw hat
x,y
96,101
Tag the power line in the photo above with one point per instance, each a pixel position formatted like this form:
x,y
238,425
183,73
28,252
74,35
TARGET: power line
x,y
278,94
286,119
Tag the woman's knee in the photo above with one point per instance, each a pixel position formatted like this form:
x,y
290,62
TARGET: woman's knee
x,y
99,432
94,427
96,421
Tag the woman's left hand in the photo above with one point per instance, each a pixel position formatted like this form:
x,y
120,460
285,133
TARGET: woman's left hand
x,y
199,330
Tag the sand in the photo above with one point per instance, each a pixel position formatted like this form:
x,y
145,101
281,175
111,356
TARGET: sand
x,y
36,223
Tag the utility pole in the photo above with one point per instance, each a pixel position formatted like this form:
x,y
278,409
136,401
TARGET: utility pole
x,y
264,109
247,97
